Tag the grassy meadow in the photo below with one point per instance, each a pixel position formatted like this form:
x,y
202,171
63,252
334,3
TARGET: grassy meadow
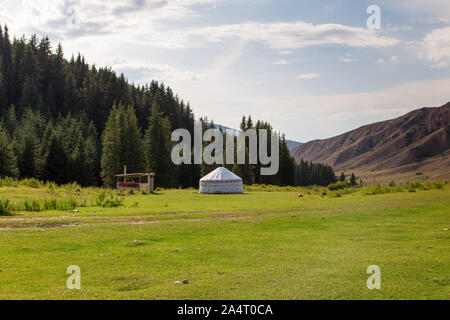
x,y
268,243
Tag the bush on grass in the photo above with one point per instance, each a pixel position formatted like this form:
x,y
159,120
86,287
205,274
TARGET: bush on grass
x,y
337,186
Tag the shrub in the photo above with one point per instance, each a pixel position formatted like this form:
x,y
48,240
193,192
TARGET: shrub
x,y
100,198
411,187
5,208
337,186
72,186
69,204
8,182
51,186
417,185
47,205
335,194
31,183
31,205
378,189
112,202
439,185
50,204
108,201
83,203
135,205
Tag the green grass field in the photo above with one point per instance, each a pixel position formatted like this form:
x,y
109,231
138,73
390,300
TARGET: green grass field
x,y
259,245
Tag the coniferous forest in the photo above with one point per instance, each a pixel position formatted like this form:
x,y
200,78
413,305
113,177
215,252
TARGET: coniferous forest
x,y
64,121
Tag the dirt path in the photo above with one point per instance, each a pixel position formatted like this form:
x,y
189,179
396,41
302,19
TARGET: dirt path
x,y
17,218
67,221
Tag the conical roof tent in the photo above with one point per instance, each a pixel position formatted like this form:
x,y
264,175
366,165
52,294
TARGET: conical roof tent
x,y
221,174
221,181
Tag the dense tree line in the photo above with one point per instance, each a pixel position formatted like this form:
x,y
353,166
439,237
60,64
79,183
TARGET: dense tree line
x,y
64,120
60,150
308,173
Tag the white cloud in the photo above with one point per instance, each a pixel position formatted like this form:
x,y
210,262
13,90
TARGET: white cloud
x,y
283,62
380,60
283,36
286,52
4,13
347,59
145,23
227,59
391,28
98,16
163,72
436,47
394,59
308,76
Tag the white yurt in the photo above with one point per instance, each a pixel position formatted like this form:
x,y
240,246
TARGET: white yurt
x,y
221,181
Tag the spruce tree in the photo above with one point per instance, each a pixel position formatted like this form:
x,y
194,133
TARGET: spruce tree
x,y
249,123
157,147
110,162
30,94
90,162
8,72
3,97
243,125
28,145
56,166
83,164
132,142
122,144
29,157
353,180
10,120
286,173
71,94
8,161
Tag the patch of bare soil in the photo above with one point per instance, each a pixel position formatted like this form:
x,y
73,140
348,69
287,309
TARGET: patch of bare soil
x,y
33,223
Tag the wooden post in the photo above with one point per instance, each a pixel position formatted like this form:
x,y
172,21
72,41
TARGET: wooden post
x,y
151,182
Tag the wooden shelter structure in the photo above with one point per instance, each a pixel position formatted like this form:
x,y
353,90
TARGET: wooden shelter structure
x,y
127,181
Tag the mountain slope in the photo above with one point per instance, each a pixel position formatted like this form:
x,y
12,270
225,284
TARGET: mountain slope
x,y
412,138
293,144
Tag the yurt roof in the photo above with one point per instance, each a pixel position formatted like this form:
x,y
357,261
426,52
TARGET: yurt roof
x,y
221,174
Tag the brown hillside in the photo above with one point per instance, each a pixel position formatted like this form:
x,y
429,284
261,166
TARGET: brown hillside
x,y
413,138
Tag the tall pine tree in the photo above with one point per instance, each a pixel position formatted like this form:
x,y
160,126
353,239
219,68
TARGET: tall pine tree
x,y
122,144
8,161
158,147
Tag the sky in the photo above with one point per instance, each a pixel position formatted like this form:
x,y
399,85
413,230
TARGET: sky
x,y
313,69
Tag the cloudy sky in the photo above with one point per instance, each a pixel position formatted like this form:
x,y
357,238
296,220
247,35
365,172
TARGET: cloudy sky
x,y
311,68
